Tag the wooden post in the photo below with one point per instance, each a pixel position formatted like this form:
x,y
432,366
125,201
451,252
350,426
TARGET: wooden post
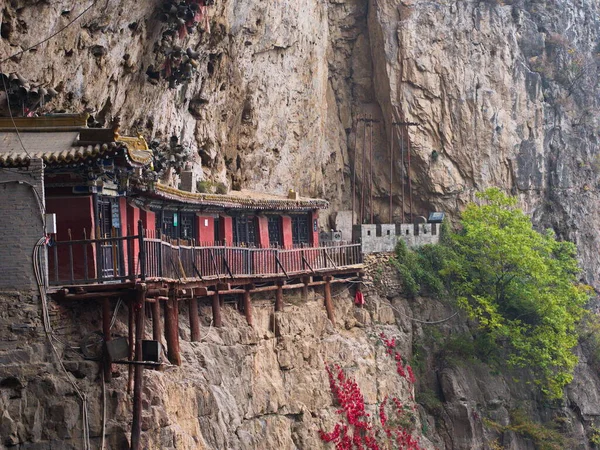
x,y
106,317
156,325
216,310
131,307
194,319
328,302
172,328
136,426
279,297
305,280
248,306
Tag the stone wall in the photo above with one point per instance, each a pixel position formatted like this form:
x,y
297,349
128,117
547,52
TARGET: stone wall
x,y
21,223
383,238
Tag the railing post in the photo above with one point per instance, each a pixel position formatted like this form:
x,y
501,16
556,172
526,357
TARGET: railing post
x,y
142,257
160,254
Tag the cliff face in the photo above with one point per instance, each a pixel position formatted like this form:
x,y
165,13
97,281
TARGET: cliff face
x,y
504,94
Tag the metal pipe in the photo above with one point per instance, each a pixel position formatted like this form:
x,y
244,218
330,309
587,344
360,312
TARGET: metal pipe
x,y
371,170
402,166
410,204
354,169
391,169
362,187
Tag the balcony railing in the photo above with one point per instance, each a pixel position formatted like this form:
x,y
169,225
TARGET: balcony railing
x,y
119,259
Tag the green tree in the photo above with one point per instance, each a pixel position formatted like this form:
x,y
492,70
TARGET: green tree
x,y
520,286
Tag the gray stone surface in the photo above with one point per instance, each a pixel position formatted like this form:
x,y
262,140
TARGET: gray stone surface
x,y
21,224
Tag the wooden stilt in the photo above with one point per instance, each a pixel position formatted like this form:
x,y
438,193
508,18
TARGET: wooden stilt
x,y
248,306
136,426
172,329
305,280
106,318
194,320
131,328
328,302
279,297
156,324
216,309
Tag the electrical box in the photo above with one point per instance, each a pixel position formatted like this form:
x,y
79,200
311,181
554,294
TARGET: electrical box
x,y
118,348
50,223
151,351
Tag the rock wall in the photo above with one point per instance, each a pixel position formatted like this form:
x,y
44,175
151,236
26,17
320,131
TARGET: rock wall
x,y
266,387
504,94
239,388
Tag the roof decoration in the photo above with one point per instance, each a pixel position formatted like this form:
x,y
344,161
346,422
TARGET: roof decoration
x,y
233,200
64,139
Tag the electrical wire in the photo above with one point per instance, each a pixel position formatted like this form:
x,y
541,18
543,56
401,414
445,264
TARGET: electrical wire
x,y
52,35
424,321
41,282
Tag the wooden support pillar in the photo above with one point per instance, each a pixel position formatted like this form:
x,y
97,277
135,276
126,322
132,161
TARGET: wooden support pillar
x,y
136,426
106,318
194,320
156,324
279,297
248,306
328,302
216,309
172,329
131,329
305,280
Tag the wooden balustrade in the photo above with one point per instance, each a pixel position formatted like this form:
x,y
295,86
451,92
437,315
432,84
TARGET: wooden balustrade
x,y
89,261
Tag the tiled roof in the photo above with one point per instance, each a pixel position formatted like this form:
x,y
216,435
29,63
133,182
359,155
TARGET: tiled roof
x,y
234,200
64,147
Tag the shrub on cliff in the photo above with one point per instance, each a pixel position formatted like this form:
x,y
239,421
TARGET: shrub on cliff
x,y
521,286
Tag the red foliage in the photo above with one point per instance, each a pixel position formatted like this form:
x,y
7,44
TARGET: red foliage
x,y
390,348
360,433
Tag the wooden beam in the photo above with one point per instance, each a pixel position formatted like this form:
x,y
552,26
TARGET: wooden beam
x,y
248,306
216,310
223,286
158,292
95,295
294,286
194,320
172,329
328,302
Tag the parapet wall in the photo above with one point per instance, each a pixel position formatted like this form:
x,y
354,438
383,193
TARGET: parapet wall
x,y
21,224
383,238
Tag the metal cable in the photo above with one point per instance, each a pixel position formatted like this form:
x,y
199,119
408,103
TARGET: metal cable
x,y
52,35
49,334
